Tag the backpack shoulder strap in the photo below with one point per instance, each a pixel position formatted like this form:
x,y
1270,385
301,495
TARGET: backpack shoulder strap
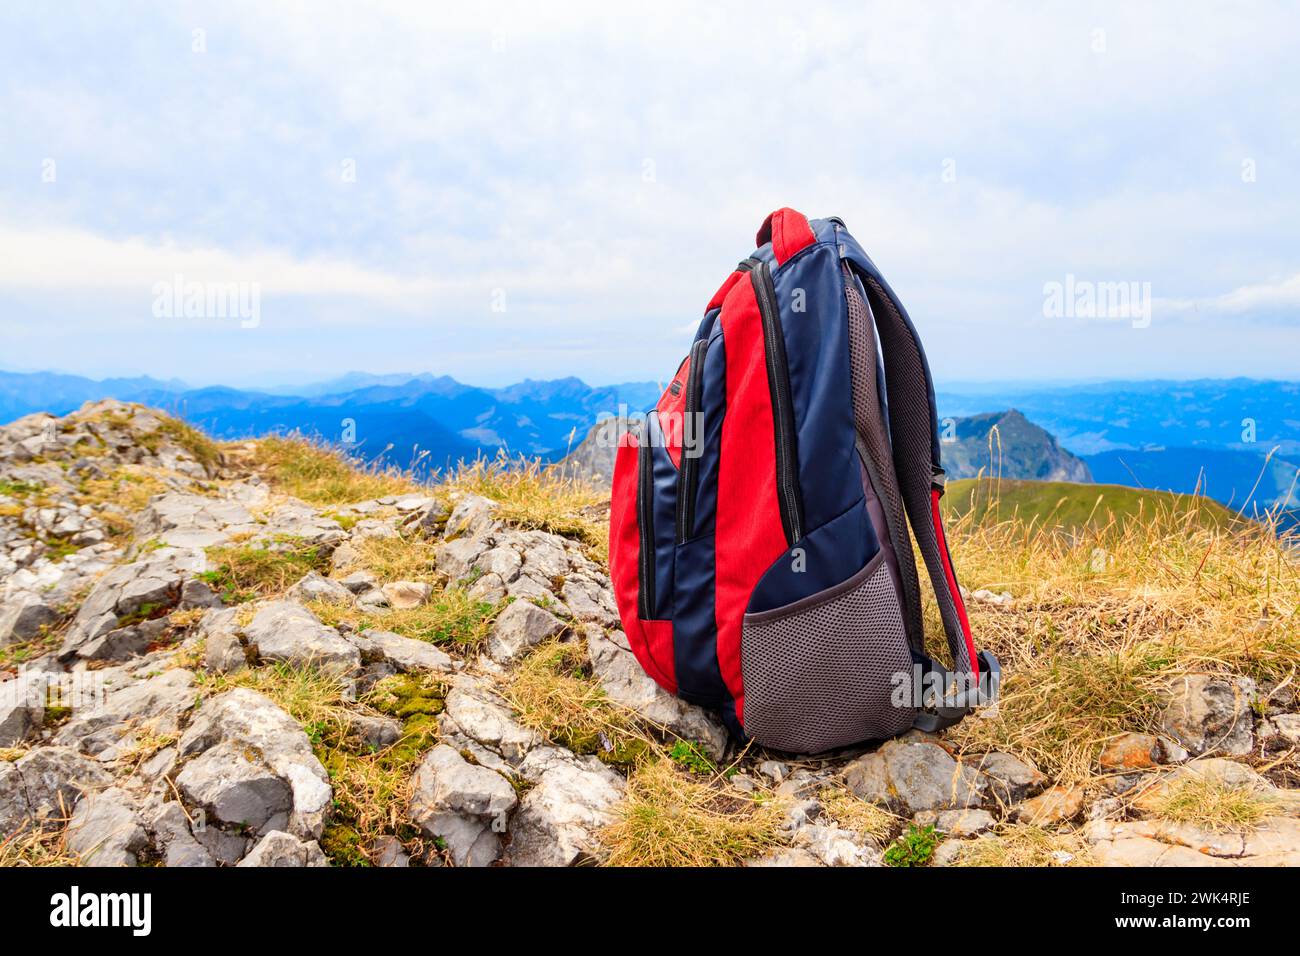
x,y
914,440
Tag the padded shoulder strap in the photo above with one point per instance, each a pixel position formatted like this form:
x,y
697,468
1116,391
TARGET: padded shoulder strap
x,y
914,436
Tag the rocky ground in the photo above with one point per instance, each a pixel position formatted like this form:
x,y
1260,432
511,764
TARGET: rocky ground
x,y
200,669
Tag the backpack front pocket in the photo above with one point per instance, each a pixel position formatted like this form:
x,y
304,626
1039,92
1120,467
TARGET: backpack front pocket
x,y
821,672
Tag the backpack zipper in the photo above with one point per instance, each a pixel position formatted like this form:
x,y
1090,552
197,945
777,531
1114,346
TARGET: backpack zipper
x,y
690,470
646,529
778,381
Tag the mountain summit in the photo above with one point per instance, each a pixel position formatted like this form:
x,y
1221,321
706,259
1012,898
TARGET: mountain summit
x,y
1006,444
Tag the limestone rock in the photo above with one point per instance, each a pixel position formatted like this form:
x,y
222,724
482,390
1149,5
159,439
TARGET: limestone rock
x,y
465,805
278,848
1010,779
106,831
1211,713
913,775
1054,805
286,631
261,742
403,595
517,629
558,819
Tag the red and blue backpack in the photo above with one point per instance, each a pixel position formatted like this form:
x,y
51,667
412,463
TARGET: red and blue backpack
x,y
759,543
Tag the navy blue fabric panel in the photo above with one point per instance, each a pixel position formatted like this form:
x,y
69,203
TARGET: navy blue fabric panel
x,y
665,514
695,633
707,323
853,252
831,554
817,355
713,408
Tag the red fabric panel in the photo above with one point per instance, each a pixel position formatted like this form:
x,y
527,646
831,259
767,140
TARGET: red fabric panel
x,y
651,641
671,408
624,539
749,532
724,289
789,232
952,583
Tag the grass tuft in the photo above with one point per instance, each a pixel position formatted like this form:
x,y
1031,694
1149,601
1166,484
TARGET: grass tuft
x,y
672,817
318,474
246,572
1211,803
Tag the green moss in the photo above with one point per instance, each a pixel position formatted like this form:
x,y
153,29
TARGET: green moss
x,y
408,695
19,489
914,848
343,845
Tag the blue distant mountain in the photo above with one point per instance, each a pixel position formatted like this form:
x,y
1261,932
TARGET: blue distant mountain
x,y
434,419
1180,436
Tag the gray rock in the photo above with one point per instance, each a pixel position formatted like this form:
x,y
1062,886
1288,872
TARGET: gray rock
x,y
359,582
234,790
403,595
278,848
467,806
106,831
559,818
155,581
315,587
1010,779
192,521
388,851
590,600
45,785
476,711
456,558
23,616
1287,727
964,823
517,629
156,704
472,517
264,735
406,653
1211,713
372,731
427,519
285,631
786,857
833,846
22,707
627,684
914,775
173,837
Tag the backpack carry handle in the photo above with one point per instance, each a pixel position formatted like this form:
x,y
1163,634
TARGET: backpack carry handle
x,y
788,231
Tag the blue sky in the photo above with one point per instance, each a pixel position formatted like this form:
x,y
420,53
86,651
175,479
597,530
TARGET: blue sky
x,y
542,191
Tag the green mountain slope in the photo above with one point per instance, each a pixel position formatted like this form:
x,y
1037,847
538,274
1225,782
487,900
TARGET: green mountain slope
x,y
1071,506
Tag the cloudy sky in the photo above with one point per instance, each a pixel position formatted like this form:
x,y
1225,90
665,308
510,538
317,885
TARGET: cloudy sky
x,y
545,190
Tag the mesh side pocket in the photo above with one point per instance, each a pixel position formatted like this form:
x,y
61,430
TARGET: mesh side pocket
x,y
819,673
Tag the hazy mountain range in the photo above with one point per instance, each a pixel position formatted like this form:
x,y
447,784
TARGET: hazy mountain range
x,y
1180,436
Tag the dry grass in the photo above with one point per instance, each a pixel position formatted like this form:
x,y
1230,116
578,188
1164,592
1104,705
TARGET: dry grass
x,y
672,817
245,572
36,847
1023,845
1211,803
1106,615
531,496
553,692
404,558
451,616
853,813
321,475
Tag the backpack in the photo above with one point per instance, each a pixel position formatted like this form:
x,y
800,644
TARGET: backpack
x,y
759,545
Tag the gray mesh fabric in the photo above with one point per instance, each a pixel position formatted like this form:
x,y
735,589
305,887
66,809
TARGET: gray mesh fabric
x,y
820,673
879,459
911,425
